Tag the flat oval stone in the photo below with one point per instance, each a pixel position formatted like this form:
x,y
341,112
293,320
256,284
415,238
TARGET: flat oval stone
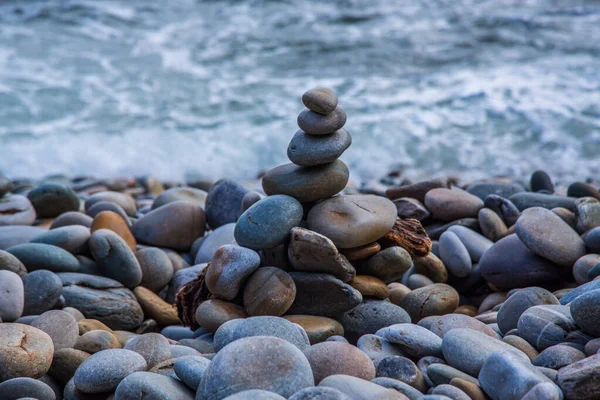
x,y
558,356
546,325
260,326
103,299
318,124
512,309
269,291
370,286
492,226
249,199
44,256
312,252
73,239
582,189
191,369
521,344
71,218
321,100
189,194
60,326
25,351
175,225
157,269
95,341
114,258
307,184
548,236
416,190
585,310
154,347
454,254
26,388
581,380
369,317
267,363
51,199
8,262
16,210
432,267
389,264
592,239
359,389
217,238
42,289
155,307
402,369
452,204
524,200
153,386
436,299
211,314
510,264
332,358
12,296
475,243
125,201
352,220
377,347
268,222
441,326
484,189
441,374
318,329
413,340
231,265
322,294
310,150
223,202
467,349
103,371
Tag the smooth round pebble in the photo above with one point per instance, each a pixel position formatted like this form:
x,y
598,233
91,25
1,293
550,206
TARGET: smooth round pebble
x,y
103,371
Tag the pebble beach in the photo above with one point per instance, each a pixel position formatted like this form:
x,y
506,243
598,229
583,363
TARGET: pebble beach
x,y
300,284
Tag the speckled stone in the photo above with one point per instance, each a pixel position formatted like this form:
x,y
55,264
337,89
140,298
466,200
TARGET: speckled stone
x,y
26,388
223,202
307,184
318,393
42,291
441,326
389,264
377,347
402,369
315,123
454,254
310,150
267,363
410,392
154,347
452,204
12,296
268,222
94,341
369,317
25,351
16,210
44,256
441,374
512,309
175,226
585,310
546,325
103,371
60,326
581,380
8,262
318,329
221,236
322,294
125,201
332,358
211,314
587,214
558,356
114,258
436,299
312,252
231,265
269,291
359,389
73,239
191,369
150,385
413,340
189,194
321,100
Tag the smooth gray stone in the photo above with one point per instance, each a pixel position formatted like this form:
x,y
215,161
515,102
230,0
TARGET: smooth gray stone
x,y
268,222
505,208
152,386
42,290
12,296
413,340
550,373
581,380
467,350
103,371
8,262
20,388
416,190
319,393
475,243
318,124
200,345
558,356
44,256
580,290
492,226
310,150
435,230
249,199
321,100
545,390
451,392
510,264
359,389
229,269
425,362
102,206
73,239
191,369
592,240
377,347
444,324
548,236
322,294
177,332
307,184
260,362
585,310
154,347
50,200
103,299
114,258
60,326
190,194
369,317
254,394
526,200
388,264
217,238
511,310
402,369
546,325
278,327
223,202
484,189
178,351
399,386
518,376
125,201
156,266
540,180
454,254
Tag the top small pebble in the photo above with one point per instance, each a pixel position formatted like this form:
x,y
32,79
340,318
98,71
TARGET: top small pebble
x,y
320,100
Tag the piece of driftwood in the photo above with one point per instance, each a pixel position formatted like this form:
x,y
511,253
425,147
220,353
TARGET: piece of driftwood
x,y
189,297
410,235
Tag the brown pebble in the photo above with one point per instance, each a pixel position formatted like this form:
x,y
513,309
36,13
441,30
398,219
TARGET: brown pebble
x,y
432,267
521,344
95,341
362,252
114,222
87,325
466,309
472,390
334,358
318,329
65,363
156,308
436,299
370,286
269,291
397,292
211,314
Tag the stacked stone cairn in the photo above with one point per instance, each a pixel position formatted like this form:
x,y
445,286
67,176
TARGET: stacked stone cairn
x,y
129,288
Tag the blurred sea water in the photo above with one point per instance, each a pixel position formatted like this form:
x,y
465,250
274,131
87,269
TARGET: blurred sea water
x,y
432,87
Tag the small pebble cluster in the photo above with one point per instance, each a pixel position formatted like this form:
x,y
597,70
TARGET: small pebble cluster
x,y
300,286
